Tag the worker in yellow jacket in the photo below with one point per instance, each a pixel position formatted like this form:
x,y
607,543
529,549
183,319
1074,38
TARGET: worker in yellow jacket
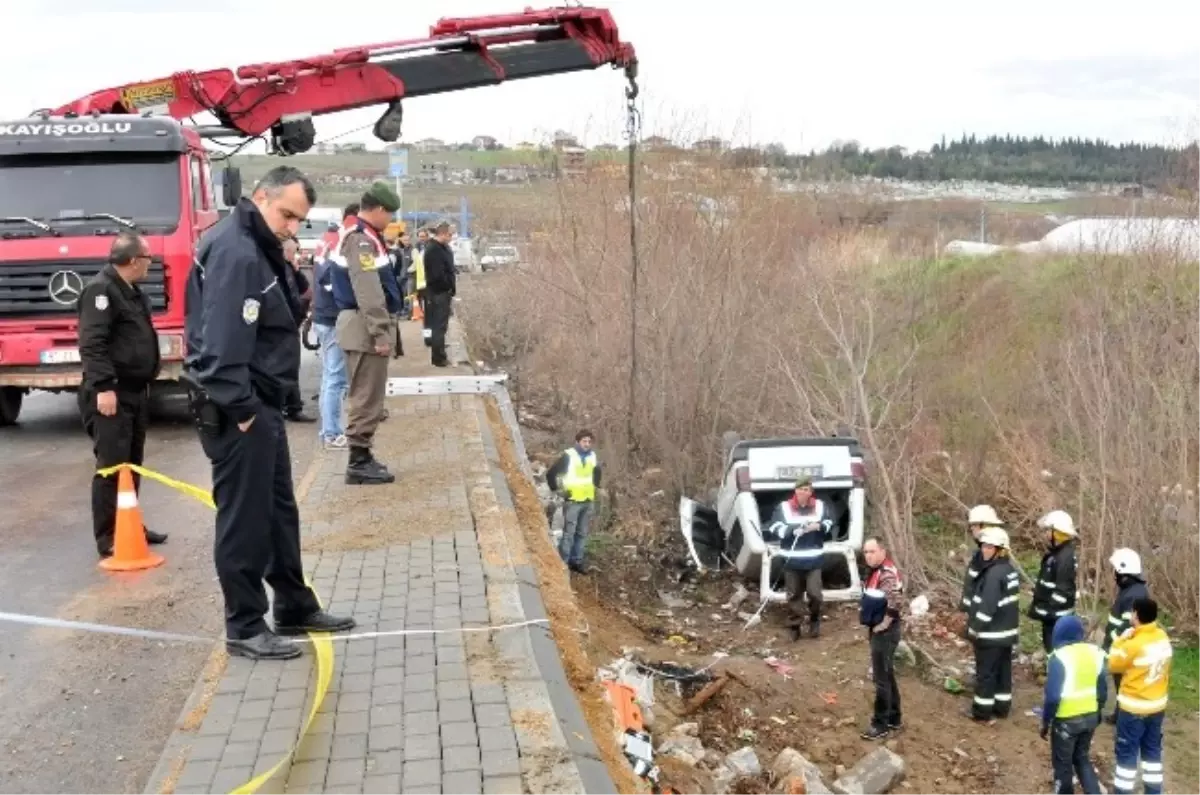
x,y
1141,656
417,269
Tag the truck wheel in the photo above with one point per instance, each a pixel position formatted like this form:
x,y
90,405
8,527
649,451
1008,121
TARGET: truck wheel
x,y
10,404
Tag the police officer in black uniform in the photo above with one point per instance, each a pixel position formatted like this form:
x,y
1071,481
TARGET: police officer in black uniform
x,y
119,351
243,358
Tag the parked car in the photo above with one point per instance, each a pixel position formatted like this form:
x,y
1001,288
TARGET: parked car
x,y
499,256
761,473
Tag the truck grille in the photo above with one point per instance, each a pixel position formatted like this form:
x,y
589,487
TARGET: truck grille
x,y
25,287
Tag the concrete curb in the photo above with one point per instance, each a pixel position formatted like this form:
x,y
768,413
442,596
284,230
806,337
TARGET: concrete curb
x,y
566,750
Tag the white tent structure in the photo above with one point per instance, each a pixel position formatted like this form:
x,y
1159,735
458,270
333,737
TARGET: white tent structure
x,y
1102,236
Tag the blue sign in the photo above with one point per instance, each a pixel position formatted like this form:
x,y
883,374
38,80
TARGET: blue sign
x,y
398,163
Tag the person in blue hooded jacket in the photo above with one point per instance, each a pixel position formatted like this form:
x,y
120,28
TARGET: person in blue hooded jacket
x,y
1076,689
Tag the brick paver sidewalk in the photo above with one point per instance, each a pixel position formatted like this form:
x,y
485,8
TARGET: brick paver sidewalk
x,y
454,712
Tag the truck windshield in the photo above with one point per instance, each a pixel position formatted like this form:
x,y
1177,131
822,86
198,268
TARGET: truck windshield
x,y
143,188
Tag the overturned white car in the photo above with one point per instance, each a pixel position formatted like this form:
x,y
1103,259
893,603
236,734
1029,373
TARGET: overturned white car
x,y
760,474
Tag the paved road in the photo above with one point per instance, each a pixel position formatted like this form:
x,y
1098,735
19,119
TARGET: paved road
x,y
86,712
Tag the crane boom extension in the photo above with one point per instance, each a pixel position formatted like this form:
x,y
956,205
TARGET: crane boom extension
x,y
459,53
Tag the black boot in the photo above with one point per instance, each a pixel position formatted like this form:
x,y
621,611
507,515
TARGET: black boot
x,y
364,470
814,628
264,646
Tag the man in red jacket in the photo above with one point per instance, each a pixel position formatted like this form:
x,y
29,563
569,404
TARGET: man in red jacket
x,y
880,613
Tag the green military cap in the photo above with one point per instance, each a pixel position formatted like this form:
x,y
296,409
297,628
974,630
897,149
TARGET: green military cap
x,y
802,481
385,195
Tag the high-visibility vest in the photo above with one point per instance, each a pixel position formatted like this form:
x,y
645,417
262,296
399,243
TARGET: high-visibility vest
x,y
418,268
578,481
1082,663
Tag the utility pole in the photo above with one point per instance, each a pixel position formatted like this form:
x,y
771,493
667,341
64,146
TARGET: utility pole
x,y
983,222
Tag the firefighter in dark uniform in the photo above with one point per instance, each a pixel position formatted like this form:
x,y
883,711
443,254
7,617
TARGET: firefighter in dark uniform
x,y
1131,586
1054,591
367,297
992,626
243,357
118,348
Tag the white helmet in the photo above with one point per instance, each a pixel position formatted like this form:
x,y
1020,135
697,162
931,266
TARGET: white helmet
x,y
983,514
995,536
1060,521
1126,561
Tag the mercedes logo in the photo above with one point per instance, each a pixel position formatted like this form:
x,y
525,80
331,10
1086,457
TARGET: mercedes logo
x,y
65,287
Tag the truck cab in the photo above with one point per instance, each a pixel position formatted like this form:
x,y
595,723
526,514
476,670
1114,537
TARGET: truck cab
x,y
68,185
758,475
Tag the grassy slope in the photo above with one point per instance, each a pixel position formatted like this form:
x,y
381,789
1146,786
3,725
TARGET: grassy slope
x,y
1021,300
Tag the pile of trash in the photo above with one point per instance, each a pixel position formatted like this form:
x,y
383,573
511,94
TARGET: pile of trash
x,y
630,684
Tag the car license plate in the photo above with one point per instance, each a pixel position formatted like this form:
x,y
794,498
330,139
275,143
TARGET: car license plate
x,y
60,356
792,473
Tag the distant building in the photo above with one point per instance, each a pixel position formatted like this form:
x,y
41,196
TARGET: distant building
x,y
657,142
572,160
483,142
527,146
564,140
607,148
709,145
430,145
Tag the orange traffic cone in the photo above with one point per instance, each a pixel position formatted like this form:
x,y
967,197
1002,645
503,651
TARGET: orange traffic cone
x,y
130,550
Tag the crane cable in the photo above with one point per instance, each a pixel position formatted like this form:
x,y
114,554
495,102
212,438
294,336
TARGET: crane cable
x,y
633,123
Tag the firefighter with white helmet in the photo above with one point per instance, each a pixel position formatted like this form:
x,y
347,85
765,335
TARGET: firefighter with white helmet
x,y
1054,590
978,518
992,626
1131,586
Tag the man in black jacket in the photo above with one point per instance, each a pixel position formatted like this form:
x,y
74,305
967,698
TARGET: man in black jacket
x,y
243,357
440,289
118,348
1054,591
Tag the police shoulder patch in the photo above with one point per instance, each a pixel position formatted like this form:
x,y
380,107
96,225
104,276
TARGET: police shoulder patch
x,y
102,302
250,311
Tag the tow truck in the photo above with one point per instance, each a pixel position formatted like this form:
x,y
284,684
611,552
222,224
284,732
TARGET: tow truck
x,y
131,157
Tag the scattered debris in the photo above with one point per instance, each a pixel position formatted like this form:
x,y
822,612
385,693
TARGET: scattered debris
x,y
795,774
875,774
744,762
674,602
707,692
919,608
780,667
905,655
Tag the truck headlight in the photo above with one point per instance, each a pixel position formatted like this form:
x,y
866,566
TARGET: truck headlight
x,y
170,346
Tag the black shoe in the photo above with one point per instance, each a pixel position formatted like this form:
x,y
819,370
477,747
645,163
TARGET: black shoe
x,y
794,632
814,629
364,470
319,621
299,416
895,727
155,538
875,733
578,568
264,646
441,364
105,548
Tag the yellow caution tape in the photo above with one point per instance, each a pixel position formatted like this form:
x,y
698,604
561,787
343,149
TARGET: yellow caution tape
x,y
322,645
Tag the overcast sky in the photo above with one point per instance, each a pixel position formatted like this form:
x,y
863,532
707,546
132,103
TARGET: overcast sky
x,y
805,74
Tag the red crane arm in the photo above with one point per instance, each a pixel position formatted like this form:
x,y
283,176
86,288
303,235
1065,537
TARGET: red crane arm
x,y
458,54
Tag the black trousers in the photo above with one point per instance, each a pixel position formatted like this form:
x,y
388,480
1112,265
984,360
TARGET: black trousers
x,y
437,320
1070,746
258,525
1047,634
119,439
883,670
993,682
